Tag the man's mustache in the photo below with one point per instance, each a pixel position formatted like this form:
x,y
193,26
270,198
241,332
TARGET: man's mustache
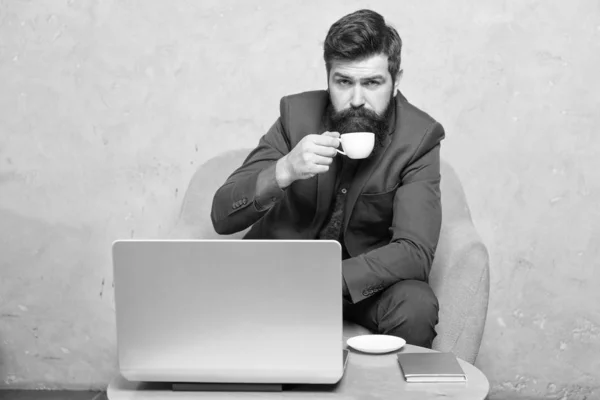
x,y
357,113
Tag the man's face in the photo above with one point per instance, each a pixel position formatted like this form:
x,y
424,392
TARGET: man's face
x,y
361,93
365,83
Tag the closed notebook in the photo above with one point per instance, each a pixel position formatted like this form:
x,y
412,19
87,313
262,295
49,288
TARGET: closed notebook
x,y
431,367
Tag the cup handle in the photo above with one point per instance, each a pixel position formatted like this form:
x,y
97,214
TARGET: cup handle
x,y
341,152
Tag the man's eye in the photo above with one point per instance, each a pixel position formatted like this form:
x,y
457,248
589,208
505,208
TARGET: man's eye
x,y
372,83
344,82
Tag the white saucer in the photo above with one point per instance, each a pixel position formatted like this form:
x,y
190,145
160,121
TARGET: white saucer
x,y
376,344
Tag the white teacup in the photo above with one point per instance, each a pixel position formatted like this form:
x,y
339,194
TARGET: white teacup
x,y
357,145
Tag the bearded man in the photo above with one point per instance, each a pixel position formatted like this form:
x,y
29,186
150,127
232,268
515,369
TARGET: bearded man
x,y
385,210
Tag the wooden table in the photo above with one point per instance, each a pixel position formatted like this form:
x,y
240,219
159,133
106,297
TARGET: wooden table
x,y
366,377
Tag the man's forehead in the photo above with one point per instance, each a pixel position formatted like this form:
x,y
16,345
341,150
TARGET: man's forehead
x,y
368,67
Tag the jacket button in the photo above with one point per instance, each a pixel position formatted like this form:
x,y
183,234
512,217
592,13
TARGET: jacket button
x,y
244,200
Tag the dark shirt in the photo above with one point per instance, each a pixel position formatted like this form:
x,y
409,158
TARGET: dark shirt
x,y
332,228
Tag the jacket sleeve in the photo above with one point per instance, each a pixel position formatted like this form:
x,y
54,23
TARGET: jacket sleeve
x,y
416,225
251,190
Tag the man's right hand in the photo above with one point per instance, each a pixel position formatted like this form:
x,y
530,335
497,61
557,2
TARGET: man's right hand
x,y
311,156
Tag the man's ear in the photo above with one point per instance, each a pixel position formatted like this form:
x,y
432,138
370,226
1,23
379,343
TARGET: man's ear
x,y
397,81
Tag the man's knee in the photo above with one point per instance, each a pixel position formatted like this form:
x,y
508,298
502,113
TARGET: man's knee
x,y
409,309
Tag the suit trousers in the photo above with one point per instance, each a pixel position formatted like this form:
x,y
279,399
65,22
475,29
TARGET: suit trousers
x,y
408,309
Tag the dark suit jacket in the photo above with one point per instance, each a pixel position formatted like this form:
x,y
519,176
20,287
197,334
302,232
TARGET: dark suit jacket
x,y
393,211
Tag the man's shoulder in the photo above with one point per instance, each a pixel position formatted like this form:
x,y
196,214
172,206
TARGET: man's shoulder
x,y
417,126
303,111
414,113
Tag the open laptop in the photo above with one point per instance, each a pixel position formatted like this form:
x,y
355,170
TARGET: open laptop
x,y
211,314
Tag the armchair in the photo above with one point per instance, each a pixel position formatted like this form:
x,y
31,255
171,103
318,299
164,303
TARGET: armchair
x,y
459,276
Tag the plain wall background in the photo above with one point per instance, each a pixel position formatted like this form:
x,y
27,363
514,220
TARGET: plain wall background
x,y
107,108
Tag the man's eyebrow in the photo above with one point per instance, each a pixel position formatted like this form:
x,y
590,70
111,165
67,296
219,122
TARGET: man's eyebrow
x,y
374,78
368,78
339,75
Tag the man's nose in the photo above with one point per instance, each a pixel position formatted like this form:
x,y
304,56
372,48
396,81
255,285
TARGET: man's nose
x,y
358,100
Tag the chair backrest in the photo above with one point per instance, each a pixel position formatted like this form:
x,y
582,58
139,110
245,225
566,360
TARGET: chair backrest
x,y
455,213
194,218
459,276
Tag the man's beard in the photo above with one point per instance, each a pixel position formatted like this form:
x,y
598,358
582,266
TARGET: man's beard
x,y
361,120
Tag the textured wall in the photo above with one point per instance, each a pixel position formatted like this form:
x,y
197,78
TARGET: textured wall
x,y
106,109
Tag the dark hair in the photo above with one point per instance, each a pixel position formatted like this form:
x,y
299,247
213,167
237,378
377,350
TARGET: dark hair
x,y
360,35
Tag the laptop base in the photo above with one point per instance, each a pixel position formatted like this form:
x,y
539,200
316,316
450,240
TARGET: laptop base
x,y
226,387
